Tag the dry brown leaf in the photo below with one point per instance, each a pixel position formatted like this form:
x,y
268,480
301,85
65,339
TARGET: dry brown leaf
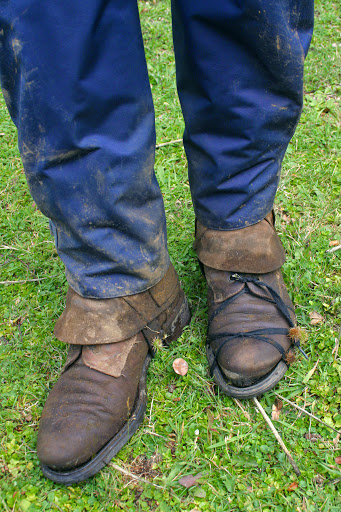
x,y
276,409
338,460
189,480
180,366
315,318
28,418
293,486
286,218
325,111
333,243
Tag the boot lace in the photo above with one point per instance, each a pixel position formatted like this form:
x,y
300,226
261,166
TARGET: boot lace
x,y
258,334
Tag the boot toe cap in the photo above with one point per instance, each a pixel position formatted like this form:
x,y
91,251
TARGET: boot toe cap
x,y
68,446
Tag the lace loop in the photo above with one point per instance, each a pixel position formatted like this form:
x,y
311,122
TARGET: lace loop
x,y
259,334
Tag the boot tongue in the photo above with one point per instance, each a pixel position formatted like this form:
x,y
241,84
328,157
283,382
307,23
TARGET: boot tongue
x,y
221,285
259,290
109,359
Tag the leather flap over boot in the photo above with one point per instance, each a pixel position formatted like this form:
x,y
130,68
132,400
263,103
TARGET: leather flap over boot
x,y
101,321
256,249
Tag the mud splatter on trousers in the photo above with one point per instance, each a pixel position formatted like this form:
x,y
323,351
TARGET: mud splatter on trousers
x,y
75,82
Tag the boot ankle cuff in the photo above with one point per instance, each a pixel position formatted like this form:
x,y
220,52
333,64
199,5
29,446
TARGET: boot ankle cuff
x,y
255,249
100,321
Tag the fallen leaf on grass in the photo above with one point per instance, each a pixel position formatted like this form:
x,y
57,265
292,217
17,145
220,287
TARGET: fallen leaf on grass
x,y
180,366
276,409
28,418
333,243
293,486
338,460
286,218
189,480
315,318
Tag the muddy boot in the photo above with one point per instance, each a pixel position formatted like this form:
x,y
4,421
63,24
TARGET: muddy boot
x,y
100,399
252,324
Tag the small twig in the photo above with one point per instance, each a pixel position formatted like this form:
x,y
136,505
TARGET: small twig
x,y
277,436
6,507
331,482
168,143
151,433
307,413
333,249
11,248
27,265
23,281
150,412
131,475
56,506
335,351
246,414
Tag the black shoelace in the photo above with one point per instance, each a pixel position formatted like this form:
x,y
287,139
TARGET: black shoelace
x,y
258,334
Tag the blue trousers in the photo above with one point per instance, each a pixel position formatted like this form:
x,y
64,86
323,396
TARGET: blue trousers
x,y
75,81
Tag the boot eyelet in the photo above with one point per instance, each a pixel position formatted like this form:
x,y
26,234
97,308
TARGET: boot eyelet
x,y
234,277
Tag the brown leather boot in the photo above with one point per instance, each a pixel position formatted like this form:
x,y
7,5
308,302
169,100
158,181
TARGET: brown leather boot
x,y
252,324
100,399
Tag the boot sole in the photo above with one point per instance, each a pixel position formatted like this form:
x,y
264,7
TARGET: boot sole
x,y
112,447
258,388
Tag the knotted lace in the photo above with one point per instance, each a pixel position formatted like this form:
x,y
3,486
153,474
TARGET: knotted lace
x,y
258,334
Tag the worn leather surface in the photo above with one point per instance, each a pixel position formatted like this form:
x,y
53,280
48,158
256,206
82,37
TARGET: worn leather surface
x,y
111,358
244,360
86,408
255,249
94,396
99,321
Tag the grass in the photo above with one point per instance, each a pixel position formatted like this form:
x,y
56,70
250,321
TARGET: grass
x,y
190,428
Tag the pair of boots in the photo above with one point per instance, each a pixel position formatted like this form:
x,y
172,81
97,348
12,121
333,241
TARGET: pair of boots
x,y
100,398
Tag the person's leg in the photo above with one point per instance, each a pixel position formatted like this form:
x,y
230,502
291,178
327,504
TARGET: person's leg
x,y
76,84
240,83
75,81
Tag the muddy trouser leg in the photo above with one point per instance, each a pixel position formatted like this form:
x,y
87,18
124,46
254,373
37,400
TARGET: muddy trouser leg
x,y
239,74
76,85
240,83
